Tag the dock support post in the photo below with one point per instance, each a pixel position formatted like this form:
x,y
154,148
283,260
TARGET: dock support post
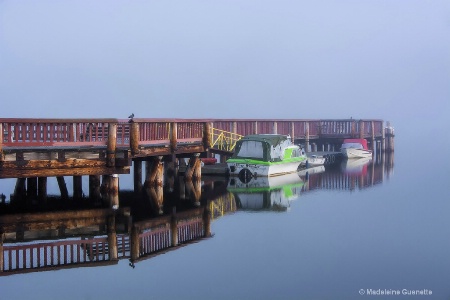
x,y
94,187
111,147
307,136
234,128
275,127
112,238
256,127
134,244
2,238
194,168
155,171
207,221
174,227
134,138
62,187
372,135
137,176
1,143
77,187
383,139
32,188
42,189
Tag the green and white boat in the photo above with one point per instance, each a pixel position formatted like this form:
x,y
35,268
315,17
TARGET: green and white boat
x,y
265,155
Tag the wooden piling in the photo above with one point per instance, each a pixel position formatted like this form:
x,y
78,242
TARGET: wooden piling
x,y
207,135
94,187
134,138
111,147
32,188
113,191
306,136
174,228
42,189
207,221
112,238
372,135
275,127
194,168
134,244
62,187
156,172
256,127
137,176
77,187
2,260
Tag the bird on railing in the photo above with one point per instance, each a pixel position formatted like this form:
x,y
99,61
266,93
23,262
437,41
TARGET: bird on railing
x,y
131,118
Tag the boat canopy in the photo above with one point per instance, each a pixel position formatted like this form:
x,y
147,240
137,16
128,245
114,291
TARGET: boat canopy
x,y
267,147
355,143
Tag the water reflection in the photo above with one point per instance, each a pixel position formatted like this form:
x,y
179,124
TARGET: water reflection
x,y
102,228
266,193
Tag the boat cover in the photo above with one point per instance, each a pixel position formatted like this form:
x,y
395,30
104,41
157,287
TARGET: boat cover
x,y
363,142
268,147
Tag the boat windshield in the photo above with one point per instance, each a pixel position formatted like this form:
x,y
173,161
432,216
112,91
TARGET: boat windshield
x,y
352,145
251,149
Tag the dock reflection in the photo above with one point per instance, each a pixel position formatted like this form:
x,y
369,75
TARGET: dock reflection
x,y
65,232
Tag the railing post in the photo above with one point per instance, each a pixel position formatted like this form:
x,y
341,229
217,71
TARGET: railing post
x,y
292,132
112,141
361,129
173,136
372,133
134,138
307,136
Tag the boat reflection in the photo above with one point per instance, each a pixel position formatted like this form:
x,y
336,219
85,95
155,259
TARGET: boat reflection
x,y
266,193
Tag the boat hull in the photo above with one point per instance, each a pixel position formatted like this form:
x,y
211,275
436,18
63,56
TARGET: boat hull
x,y
253,168
356,153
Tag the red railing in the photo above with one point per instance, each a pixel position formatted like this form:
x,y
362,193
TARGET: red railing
x,y
94,132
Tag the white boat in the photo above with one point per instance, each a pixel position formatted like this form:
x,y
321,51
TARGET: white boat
x,y
355,148
266,193
265,155
314,161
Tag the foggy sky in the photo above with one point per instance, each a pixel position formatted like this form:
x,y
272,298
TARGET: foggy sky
x,y
386,59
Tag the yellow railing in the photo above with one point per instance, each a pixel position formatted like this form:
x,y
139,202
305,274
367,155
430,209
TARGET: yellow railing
x,y
222,205
224,140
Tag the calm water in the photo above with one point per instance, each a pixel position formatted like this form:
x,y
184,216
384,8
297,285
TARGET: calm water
x,y
379,228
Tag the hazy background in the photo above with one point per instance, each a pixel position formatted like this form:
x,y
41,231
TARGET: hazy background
x,y
386,59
